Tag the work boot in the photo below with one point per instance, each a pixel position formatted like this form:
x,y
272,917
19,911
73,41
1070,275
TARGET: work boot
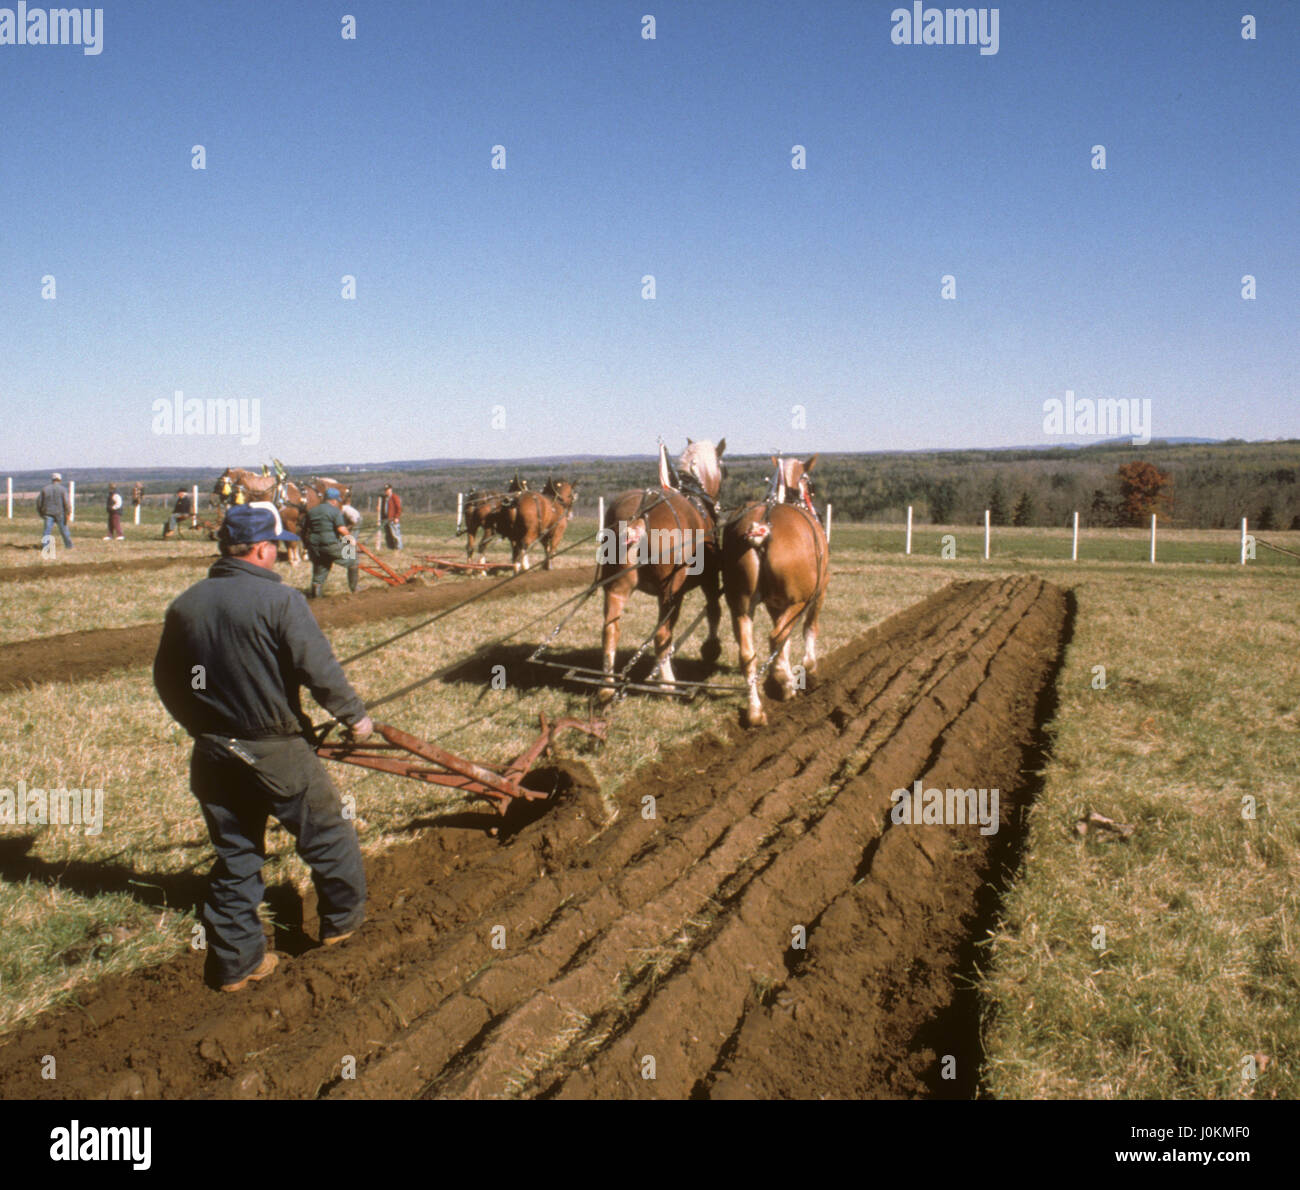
x,y
352,580
314,591
338,938
269,962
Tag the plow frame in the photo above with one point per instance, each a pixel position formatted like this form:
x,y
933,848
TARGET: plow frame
x,y
428,564
502,788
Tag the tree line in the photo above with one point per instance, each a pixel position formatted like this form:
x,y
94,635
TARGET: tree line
x,y
1189,485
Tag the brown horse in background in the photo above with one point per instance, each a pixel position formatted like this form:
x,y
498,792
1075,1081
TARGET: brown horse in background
x,y
484,514
530,517
322,484
661,541
239,485
775,552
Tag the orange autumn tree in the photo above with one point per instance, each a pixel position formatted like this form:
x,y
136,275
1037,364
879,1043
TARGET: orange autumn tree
x,y
1144,489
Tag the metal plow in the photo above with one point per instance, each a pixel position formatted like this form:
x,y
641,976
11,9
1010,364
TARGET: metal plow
x,y
503,788
428,564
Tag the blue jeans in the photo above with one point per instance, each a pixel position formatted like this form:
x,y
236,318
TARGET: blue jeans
x,y
50,522
393,534
286,779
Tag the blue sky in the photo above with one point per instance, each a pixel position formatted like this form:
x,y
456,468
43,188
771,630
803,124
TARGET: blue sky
x,y
521,288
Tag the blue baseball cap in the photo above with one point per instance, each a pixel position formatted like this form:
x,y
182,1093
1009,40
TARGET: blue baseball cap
x,y
333,494
246,524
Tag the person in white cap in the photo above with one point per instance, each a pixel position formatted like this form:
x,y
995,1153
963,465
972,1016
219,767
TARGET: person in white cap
x,y
54,505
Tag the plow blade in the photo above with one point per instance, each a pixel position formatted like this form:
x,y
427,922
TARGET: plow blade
x,y
502,788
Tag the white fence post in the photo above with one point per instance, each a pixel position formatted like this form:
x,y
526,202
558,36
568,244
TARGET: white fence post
x,y
600,512
908,549
9,493
194,506
987,524
137,510
1243,541
460,510
1153,537
72,501
829,511
1074,550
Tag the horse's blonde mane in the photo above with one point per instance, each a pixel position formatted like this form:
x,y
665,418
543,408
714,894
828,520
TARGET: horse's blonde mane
x,y
701,460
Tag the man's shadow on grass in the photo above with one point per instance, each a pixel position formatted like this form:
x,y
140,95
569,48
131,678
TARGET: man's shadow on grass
x,y
179,891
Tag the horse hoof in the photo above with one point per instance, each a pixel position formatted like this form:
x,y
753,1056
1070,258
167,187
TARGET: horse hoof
x,y
604,696
772,687
711,650
752,718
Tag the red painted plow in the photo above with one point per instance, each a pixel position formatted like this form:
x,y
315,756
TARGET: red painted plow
x,y
428,564
503,789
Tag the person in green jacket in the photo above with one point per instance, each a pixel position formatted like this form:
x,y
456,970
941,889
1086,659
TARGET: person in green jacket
x,y
329,539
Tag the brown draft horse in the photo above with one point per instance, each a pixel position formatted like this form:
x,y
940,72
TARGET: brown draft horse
x,y
484,511
661,541
530,517
775,552
239,485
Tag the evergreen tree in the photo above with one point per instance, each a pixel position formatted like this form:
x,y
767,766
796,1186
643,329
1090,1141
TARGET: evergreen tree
x,y
1024,513
997,504
942,498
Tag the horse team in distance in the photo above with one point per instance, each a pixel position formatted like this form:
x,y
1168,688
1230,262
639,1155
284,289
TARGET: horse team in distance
x,y
242,485
522,517
482,512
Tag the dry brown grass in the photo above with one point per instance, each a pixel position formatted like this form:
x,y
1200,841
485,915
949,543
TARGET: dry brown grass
x,y
1202,707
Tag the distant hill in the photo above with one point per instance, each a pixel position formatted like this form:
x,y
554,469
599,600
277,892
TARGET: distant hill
x,y
1215,482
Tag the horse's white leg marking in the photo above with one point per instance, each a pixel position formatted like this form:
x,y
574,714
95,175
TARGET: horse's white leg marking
x,y
749,663
784,672
810,650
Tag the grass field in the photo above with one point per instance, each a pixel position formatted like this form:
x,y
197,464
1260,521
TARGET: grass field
x,y
1197,977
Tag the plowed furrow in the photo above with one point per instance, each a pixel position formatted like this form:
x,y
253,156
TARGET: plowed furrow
x,y
687,1024
751,838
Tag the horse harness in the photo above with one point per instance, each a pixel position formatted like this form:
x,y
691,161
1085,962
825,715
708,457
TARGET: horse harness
x,y
803,506
693,492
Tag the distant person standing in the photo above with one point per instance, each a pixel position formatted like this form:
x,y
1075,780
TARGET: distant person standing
x,y
114,507
330,540
390,516
137,498
181,509
54,505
